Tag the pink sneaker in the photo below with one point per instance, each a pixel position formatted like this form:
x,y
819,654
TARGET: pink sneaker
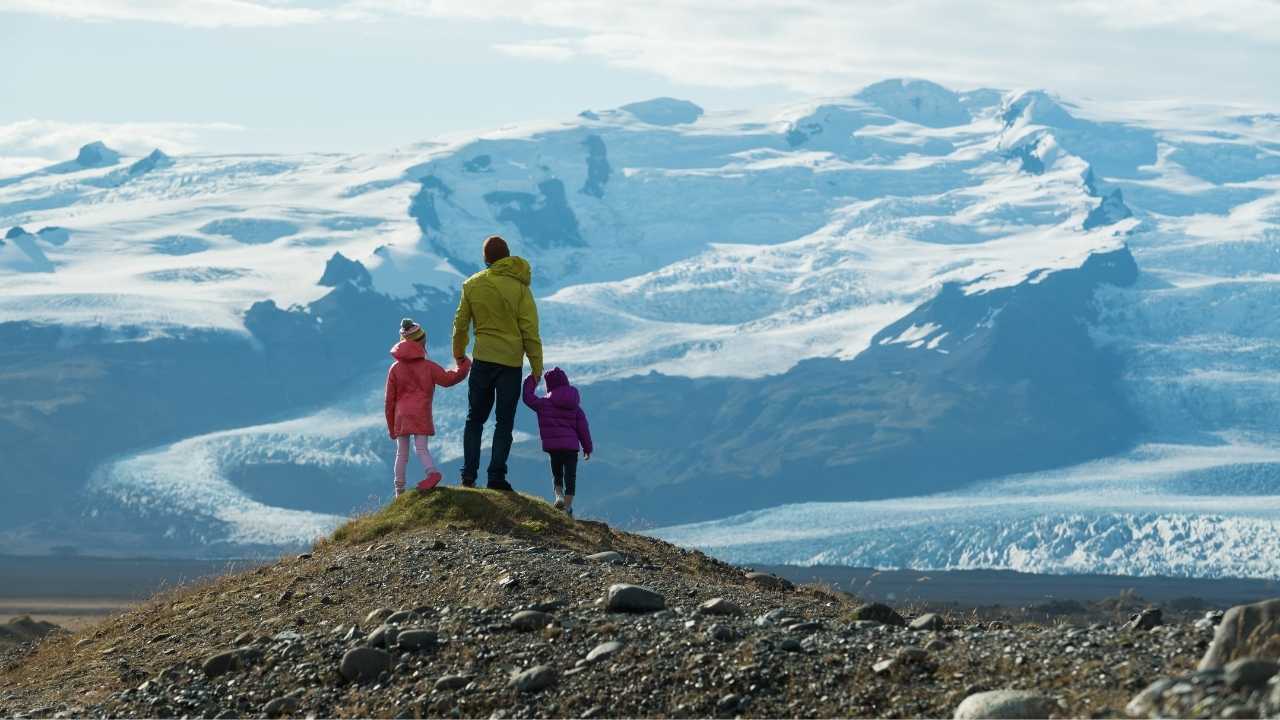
x,y
433,479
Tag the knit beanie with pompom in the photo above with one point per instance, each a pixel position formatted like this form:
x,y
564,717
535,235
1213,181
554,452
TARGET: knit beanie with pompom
x,y
410,330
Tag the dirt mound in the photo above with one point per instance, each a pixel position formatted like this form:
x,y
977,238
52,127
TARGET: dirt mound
x,y
472,603
23,630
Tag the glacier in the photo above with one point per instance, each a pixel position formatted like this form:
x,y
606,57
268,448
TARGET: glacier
x,y
725,246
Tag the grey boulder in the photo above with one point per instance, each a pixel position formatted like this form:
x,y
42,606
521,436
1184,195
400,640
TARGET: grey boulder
x,y
1002,704
622,597
363,664
1245,631
534,679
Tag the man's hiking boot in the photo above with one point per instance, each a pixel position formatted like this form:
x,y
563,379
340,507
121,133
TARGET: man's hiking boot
x,y
500,485
433,479
468,483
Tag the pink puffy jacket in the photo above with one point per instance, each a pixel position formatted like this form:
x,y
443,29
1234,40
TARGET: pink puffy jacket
x,y
411,383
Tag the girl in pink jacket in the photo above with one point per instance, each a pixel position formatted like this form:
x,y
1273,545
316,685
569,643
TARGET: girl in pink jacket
x,y
411,383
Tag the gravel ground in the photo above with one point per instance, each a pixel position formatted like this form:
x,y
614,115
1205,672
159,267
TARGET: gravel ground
x,y
433,622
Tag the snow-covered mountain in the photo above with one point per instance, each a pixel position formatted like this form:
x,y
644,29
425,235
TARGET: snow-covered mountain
x,y
906,327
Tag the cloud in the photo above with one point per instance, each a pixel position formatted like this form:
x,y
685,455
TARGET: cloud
x,y
1113,48
190,13
549,50
30,144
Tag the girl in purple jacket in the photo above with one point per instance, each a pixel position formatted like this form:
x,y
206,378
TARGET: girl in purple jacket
x,y
563,427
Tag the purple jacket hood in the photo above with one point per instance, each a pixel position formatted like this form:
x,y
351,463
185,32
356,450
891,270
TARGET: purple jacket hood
x,y
561,421
560,392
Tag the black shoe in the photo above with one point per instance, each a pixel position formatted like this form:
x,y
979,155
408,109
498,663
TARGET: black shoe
x,y
468,483
500,485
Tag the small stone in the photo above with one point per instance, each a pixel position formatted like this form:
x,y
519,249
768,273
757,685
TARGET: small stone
x,y
771,582
912,655
805,628
719,606
1001,704
534,679
928,621
281,706
1237,712
364,664
375,617
1146,620
1148,700
882,667
622,597
384,636
777,616
879,612
936,645
416,639
722,633
729,703
227,661
453,682
1249,672
528,620
285,597
608,556
402,617
243,638
603,651
791,645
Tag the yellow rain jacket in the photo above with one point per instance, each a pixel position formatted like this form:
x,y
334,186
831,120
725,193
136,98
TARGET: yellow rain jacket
x,y
498,302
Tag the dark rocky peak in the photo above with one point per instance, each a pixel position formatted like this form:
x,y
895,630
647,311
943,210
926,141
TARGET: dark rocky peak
x,y
1028,156
664,111
15,231
1109,212
340,270
97,154
157,159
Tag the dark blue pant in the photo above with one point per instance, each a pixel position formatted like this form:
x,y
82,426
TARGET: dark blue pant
x,y
490,382
564,469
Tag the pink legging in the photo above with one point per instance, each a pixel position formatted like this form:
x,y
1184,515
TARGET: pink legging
x,y
402,457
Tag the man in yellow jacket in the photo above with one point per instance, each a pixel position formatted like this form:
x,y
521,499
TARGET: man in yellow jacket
x,y
498,302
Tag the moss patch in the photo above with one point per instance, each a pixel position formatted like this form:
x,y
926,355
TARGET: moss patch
x,y
460,508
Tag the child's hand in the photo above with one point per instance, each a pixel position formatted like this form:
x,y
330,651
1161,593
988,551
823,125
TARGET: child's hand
x,y
586,457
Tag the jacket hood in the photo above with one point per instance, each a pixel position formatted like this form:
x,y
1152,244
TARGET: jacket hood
x,y
556,378
408,350
561,393
513,267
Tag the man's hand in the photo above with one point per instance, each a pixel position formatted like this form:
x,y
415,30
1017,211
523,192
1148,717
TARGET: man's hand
x,y
460,360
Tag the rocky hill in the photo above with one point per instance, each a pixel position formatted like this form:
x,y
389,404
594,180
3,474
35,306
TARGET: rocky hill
x,y
469,603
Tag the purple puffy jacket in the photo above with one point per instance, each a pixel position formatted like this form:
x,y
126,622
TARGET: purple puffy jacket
x,y
561,422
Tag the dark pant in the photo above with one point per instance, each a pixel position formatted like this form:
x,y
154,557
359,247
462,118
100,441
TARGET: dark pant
x,y
564,468
489,382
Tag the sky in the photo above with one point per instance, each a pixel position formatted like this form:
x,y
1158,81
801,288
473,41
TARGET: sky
x,y
365,75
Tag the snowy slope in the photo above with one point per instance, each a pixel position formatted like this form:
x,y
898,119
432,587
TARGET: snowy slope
x,y
700,244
